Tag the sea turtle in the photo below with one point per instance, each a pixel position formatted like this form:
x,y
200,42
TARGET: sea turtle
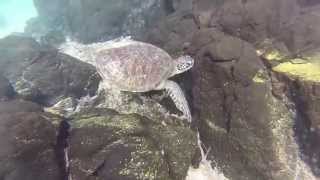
x,y
129,65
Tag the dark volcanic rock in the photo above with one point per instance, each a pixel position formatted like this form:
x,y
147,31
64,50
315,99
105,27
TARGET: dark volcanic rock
x,y
42,74
6,90
303,34
302,86
224,62
294,22
99,19
230,106
308,2
173,33
242,112
17,105
107,145
180,5
254,21
104,144
250,131
27,140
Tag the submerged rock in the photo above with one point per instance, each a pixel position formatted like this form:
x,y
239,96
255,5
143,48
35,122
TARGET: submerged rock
x,y
205,171
239,102
173,33
98,20
116,135
301,83
27,141
245,126
107,145
292,21
251,132
6,90
42,74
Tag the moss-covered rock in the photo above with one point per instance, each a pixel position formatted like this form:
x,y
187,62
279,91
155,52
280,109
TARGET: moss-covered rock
x,y
250,131
261,76
27,138
6,90
108,145
301,83
304,72
42,74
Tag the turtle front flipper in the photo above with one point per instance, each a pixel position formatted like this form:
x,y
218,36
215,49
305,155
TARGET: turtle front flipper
x,y
177,95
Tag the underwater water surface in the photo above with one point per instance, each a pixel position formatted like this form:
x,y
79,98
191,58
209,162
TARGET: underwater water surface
x,y
14,14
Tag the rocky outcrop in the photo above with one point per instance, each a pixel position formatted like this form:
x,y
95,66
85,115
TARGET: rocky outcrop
x,y
289,21
245,126
42,74
27,142
99,20
173,33
308,2
305,95
112,135
298,79
303,33
241,107
6,90
108,145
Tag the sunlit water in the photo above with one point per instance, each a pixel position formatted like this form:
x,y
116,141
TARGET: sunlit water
x,y
14,15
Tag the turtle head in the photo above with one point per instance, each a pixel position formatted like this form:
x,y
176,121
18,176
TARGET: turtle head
x,y
183,64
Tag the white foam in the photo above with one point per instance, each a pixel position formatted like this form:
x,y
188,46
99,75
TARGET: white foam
x,y
114,43
205,171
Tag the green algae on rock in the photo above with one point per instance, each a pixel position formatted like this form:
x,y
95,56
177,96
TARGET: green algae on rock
x,y
274,55
129,146
306,72
27,136
260,77
272,50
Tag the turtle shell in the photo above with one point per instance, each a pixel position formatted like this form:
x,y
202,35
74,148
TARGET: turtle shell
x,y
134,66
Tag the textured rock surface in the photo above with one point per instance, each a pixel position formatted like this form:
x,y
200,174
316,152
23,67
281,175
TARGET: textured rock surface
x,y
174,32
6,90
44,75
134,138
291,21
99,19
299,80
27,141
108,145
305,95
239,104
251,132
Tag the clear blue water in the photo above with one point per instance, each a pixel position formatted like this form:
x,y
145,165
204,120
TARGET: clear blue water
x,y
14,15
